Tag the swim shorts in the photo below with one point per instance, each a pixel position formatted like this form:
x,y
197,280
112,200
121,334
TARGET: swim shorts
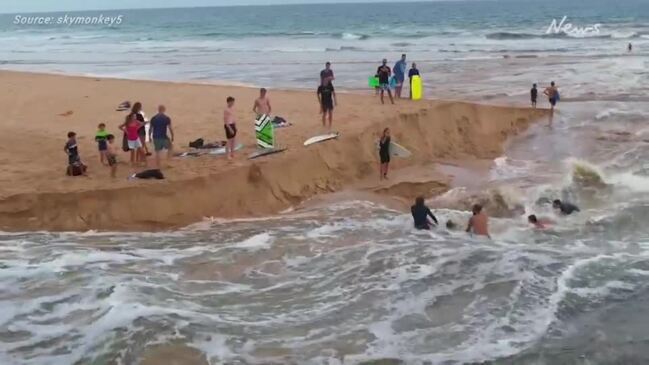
x,y
160,144
229,135
133,145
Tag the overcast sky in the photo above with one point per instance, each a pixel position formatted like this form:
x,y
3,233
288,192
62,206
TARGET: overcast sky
x,y
18,6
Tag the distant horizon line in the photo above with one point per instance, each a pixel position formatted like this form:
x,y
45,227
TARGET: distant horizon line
x,y
355,2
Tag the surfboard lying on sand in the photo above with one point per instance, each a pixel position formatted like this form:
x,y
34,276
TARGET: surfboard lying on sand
x,y
265,152
321,138
397,150
221,150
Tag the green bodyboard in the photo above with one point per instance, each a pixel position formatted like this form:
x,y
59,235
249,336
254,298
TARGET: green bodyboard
x,y
373,81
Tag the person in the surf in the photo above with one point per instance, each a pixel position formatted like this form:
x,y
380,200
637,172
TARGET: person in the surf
x,y
552,92
630,47
327,74
538,223
420,213
384,153
400,75
414,71
565,208
262,103
384,73
479,222
327,99
534,92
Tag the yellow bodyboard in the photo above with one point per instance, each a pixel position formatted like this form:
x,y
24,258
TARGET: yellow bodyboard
x,y
416,87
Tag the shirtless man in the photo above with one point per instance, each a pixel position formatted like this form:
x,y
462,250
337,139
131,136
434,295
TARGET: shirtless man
x,y
551,92
479,223
262,104
230,125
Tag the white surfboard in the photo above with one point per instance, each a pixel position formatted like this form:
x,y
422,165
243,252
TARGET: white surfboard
x,y
265,152
397,150
221,150
321,138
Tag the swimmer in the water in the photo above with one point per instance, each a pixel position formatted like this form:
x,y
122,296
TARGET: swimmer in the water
x,y
565,207
538,223
479,222
450,225
420,213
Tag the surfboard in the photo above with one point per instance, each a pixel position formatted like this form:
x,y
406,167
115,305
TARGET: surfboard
x,y
416,87
393,82
221,150
264,131
397,150
321,138
265,152
373,81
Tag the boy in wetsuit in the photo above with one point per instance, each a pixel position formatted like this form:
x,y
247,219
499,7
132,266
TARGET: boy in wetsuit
x,y
420,213
564,207
327,99
100,138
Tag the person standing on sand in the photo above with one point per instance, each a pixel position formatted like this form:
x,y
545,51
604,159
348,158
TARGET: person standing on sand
x,y
137,110
384,73
262,104
384,153
534,92
131,128
400,75
230,125
412,73
420,213
479,222
327,74
552,92
111,155
327,99
158,134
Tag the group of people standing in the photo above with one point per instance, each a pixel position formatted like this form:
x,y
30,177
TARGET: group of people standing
x,y
384,73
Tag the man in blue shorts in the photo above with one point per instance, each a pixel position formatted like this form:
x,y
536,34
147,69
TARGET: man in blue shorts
x,y
384,73
400,75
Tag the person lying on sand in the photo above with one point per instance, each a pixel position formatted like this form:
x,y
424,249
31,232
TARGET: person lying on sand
x,y
479,222
262,104
420,213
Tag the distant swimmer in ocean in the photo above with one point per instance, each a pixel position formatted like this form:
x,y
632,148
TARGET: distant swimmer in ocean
x,y
384,153
630,47
384,73
564,207
538,223
262,104
534,92
479,222
552,92
230,126
420,213
327,99
327,74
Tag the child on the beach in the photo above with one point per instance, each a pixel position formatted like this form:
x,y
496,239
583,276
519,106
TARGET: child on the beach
x,y
534,92
75,167
131,127
111,155
100,138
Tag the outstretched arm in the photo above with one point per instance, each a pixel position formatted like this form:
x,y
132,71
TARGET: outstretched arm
x,y
171,131
430,214
470,225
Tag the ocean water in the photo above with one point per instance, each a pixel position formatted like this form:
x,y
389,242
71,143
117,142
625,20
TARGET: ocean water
x,y
352,282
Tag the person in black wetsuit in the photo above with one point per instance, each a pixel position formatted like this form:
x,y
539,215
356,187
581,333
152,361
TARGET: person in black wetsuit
x,y
420,214
384,153
565,207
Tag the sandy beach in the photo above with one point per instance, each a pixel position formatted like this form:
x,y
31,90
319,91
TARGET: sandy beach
x,y
42,108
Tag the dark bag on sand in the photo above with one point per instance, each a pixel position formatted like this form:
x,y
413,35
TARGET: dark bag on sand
x,y
197,143
150,174
125,144
76,169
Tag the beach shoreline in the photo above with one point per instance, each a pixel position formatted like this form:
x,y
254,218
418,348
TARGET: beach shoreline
x,y
42,108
